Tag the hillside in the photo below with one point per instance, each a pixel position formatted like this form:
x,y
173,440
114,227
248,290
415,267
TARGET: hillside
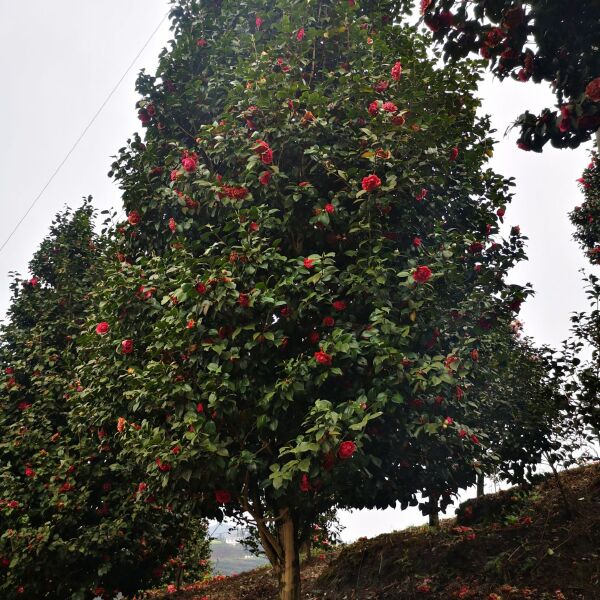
x,y
510,545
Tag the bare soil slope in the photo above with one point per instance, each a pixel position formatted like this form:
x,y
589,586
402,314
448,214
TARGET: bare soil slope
x,y
511,545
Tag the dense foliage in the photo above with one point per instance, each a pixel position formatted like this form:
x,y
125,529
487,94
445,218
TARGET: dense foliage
x,y
586,216
586,325
310,260
71,526
529,410
532,40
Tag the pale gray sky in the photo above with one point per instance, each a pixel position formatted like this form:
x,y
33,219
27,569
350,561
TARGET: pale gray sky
x,y
60,60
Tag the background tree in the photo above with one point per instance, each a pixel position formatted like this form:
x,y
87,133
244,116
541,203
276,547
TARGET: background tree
x,y
586,325
310,257
532,40
71,527
528,410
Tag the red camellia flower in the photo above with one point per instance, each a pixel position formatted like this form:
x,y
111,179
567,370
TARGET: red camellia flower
x,y
121,422
300,34
501,212
191,324
323,358
474,355
453,154
328,322
264,151
422,274
309,263
176,449
346,450
9,371
396,71
102,328
285,312
133,217
339,305
223,496
417,242
189,161
421,195
162,466
172,225
373,108
29,472
234,192
265,178
390,107
381,86
494,37
258,21
127,346
201,43
462,433
476,248
33,281
446,18
243,300
199,407
304,483
201,288
329,461
592,90
425,5
329,208
474,439
371,183
314,337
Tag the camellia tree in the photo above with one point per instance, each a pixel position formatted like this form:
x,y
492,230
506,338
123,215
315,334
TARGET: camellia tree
x,y
309,262
528,412
71,527
532,40
586,326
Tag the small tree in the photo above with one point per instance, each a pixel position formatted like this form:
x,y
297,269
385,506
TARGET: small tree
x,y
527,410
306,266
532,40
71,527
586,326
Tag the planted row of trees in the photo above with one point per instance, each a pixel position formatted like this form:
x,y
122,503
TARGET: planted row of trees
x,y
76,520
306,308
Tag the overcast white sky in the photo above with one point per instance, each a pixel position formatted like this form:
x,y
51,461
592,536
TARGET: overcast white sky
x,y
60,60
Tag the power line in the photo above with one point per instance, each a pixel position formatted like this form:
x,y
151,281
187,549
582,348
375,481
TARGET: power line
x,y
64,160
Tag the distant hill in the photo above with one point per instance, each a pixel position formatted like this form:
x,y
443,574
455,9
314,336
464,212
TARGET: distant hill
x,y
512,545
232,558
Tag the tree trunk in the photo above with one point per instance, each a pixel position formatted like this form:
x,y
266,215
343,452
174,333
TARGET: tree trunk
x,y
480,485
434,511
289,567
561,487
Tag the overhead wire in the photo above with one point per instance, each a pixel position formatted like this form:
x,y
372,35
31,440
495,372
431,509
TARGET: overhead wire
x,y
82,135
